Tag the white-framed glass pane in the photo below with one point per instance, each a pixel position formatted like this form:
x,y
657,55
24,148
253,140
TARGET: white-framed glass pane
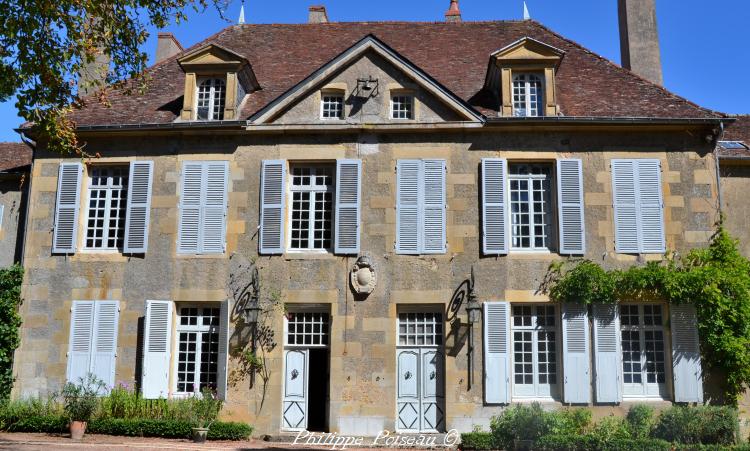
x,y
527,95
530,206
107,204
312,207
420,329
332,107
643,349
534,334
197,349
402,107
308,329
211,99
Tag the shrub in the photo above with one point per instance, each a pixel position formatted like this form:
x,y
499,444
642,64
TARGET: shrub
x,y
141,427
589,442
231,431
125,402
610,430
530,422
475,440
694,425
10,337
81,400
640,420
35,423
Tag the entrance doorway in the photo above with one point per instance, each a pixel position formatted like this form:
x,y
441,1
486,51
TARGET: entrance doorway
x,y
306,370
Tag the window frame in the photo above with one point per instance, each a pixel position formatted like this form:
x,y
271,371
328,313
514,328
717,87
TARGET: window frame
x,y
199,329
211,97
553,229
546,391
648,390
332,94
313,312
526,92
411,102
311,189
88,187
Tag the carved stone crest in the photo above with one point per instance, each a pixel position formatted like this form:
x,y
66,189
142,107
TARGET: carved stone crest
x,y
363,277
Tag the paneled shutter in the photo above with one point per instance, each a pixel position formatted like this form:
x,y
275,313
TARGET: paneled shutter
x,y
80,341
139,207
686,355
66,211
221,389
570,204
494,206
497,352
214,203
607,360
625,201
188,235
105,341
156,349
433,207
651,206
348,198
408,230
575,328
273,184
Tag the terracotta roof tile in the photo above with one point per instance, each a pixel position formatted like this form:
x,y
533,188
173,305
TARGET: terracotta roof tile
x,y
455,54
14,156
738,131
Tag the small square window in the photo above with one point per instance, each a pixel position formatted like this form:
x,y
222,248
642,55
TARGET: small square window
x,y
402,107
332,106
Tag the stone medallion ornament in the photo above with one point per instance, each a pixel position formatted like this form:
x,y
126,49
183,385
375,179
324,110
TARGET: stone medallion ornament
x,y
363,277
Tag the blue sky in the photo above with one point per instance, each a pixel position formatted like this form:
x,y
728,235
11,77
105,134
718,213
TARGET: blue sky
x,y
704,44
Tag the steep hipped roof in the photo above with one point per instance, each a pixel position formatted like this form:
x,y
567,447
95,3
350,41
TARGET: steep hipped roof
x,y
737,131
456,55
14,156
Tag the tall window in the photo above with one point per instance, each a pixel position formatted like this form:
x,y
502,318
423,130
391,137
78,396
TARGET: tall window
x,y
211,98
534,351
643,356
332,106
527,95
312,207
530,206
108,194
402,107
198,349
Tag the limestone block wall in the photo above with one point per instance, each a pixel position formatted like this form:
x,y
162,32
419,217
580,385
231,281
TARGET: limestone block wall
x,y
735,182
11,198
363,332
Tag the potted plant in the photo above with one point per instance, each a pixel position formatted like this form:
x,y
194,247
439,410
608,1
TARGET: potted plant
x,y
206,408
80,402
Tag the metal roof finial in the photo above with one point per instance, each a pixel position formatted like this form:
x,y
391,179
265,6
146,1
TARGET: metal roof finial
x,y
526,15
241,20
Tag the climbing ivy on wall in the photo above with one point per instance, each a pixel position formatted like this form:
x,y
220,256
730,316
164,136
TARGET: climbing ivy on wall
x,y
10,323
715,279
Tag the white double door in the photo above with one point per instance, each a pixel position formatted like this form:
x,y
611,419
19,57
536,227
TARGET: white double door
x,y
420,398
294,409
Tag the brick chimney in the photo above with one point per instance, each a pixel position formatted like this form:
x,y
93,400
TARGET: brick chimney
x,y
167,45
317,14
639,39
453,14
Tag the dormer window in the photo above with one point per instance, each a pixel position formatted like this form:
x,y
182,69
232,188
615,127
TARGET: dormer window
x,y
402,107
528,97
332,106
211,99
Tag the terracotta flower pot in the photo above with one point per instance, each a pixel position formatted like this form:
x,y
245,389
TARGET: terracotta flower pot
x,y
77,429
199,435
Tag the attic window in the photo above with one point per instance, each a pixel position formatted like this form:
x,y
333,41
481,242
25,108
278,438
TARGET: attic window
x,y
211,99
332,106
733,145
402,107
527,95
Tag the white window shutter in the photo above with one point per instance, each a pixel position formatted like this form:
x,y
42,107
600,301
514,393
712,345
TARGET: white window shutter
x,y
273,185
157,348
214,206
496,352
433,207
66,208
607,356
570,206
686,355
651,206
576,373
408,189
625,201
80,341
221,389
105,341
139,207
348,199
494,206
189,231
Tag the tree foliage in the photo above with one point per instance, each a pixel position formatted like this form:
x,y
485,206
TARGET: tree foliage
x,y
10,323
44,44
716,279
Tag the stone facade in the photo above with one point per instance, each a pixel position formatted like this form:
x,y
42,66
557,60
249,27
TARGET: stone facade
x,y
12,196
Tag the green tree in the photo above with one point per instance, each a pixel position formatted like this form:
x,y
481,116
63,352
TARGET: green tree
x,y
44,44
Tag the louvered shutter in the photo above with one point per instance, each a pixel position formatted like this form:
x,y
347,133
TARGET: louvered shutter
x,y
494,206
576,374
139,207
105,341
686,356
273,184
650,206
607,359
156,349
570,206
625,205
214,206
188,235
497,352
348,198
66,208
80,341
221,389
433,202
408,223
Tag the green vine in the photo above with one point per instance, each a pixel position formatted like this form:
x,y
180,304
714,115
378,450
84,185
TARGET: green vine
x,y
716,279
10,323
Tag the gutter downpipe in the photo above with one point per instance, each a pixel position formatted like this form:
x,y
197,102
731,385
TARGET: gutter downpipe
x,y
31,144
718,171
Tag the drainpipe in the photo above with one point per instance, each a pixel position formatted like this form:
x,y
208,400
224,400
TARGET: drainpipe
x,y
718,173
27,207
